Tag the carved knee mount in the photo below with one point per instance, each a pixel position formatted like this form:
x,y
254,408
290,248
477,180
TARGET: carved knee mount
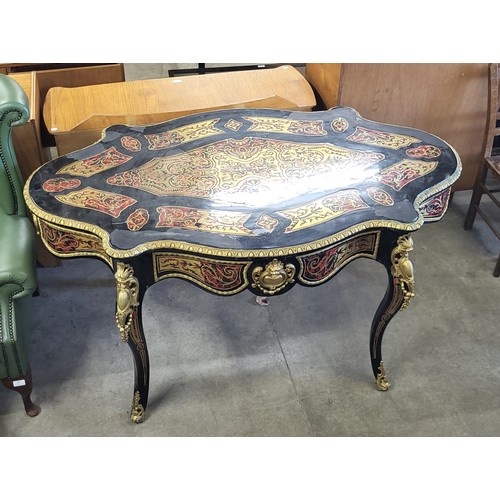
x,y
127,293
402,268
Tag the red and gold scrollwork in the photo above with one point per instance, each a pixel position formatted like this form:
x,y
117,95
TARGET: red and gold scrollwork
x,y
378,138
95,199
400,174
59,184
213,221
286,126
95,164
435,207
318,267
70,242
183,135
131,143
424,151
323,209
233,166
218,276
380,196
137,219
340,125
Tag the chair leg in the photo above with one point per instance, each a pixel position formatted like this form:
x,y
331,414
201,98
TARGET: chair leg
x,y
496,272
24,386
477,192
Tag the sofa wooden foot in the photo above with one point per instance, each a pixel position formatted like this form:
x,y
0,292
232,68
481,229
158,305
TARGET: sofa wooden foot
x,y
24,386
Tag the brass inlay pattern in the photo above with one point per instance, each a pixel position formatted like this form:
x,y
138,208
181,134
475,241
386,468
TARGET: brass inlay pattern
x,y
59,184
219,276
95,199
266,222
227,169
95,164
318,267
400,174
402,268
137,219
384,139
274,277
340,125
131,143
323,209
233,125
183,135
380,196
434,208
65,242
139,344
286,126
394,306
422,151
127,293
212,221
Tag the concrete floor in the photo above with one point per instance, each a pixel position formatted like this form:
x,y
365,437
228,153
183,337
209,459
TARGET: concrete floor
x,y
225,366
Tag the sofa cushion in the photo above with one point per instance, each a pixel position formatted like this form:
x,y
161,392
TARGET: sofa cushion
x,y
17,251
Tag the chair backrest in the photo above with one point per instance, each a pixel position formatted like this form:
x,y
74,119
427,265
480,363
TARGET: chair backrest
x,y
14,110
492,124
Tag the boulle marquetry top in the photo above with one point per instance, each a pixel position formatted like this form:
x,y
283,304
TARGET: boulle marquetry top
x,y
246,182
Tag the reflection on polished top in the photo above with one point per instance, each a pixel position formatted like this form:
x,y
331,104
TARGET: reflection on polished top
x,y
247,180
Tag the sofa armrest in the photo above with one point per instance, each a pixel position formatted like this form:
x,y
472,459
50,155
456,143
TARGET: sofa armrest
x,y
17,255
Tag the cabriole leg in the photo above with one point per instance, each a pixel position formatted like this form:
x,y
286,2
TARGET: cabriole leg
x,y
129,321
399,291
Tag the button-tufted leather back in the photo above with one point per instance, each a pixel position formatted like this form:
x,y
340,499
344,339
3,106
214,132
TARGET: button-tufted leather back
x,y
14,110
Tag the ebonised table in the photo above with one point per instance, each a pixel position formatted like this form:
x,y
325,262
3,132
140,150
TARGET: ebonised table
x,y
244,199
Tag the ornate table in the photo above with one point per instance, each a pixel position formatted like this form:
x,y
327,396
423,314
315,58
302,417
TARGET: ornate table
x,y
252,199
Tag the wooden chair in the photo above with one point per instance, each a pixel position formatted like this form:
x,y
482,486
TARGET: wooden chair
x,y
491,163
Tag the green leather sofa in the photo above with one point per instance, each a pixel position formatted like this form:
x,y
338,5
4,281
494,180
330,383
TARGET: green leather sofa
x,y
18,280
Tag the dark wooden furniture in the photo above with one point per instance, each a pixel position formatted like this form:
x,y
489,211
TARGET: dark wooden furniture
x,y
245,199
491,162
